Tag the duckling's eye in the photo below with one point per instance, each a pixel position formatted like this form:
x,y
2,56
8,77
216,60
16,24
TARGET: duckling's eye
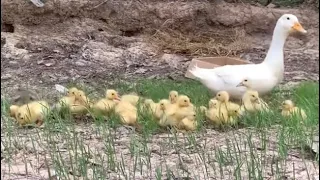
x,y
73,93
253,96
175,95
219,94
112,94
288,18
185,100
245,80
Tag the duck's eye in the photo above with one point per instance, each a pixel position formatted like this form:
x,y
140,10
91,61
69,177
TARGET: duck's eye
x,y
253,96
219,94
185,100
288,18
245,80
73,93
112,94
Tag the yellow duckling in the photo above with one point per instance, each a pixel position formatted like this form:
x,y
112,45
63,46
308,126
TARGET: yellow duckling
x,y
127,112
289,109
182,106
131,98
189,123
248,84
251,102
69,99
173,96
213,113
81,104
106,104
174,113
224,105
157,109
33,112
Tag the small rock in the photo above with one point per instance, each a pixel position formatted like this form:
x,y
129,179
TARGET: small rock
x,y
271,5
140,71
13,62
40,62
6,77
49,64
81,63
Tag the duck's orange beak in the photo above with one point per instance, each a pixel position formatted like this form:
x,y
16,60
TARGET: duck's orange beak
x,y
297,27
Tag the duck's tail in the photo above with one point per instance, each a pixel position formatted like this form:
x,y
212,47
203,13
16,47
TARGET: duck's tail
x,y
197,72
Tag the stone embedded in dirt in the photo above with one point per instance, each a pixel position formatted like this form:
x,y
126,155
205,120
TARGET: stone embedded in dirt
x,y
6,77
81,63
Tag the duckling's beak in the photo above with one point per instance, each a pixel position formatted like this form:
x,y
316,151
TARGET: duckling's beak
x,y
240,84
297,27
118,98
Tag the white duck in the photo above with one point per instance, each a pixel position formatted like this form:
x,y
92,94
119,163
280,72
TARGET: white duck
x,y
264,76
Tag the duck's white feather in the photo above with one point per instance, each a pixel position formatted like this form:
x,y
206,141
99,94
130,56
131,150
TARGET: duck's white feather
x,y
226,78
264,76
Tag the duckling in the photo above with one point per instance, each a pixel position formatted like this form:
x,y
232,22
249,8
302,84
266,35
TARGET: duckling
x,y
251,102
248,84
104,105
67,100
131,98
189,123
289,109
174,113
127,112
225,104
12,110
81,104
157,109
182,106
213,113
173,96
33,112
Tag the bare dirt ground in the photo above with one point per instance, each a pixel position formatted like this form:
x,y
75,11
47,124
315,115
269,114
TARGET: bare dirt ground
x,y
94,42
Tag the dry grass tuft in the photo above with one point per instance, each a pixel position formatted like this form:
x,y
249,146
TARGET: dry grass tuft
x,y
220,43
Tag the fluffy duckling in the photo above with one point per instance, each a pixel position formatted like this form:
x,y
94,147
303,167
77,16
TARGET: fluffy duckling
x,y
33,112
157,109
131,98
214,113
81,104
251,102
173,96
12,110
289,109
189,123
248,84
69,99
224,105
182,106
106,104
174,113
127,112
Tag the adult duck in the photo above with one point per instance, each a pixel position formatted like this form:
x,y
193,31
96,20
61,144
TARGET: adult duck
x,y
264,76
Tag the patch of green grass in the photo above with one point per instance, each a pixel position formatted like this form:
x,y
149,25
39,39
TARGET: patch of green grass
x,y
261,145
